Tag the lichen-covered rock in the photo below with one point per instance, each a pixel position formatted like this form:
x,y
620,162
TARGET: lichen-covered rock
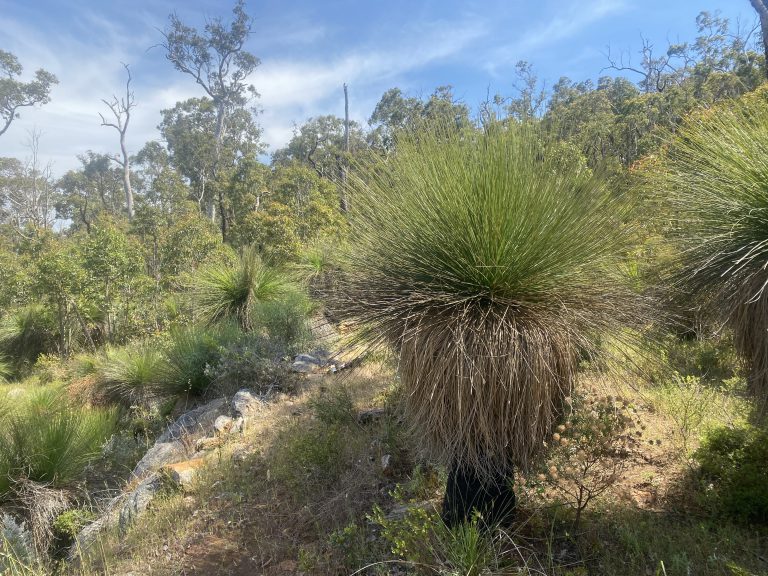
x,y
138,500
245,403
195,423
223,425
161,454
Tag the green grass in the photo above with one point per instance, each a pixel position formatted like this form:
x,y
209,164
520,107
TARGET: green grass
x,y
134,374
44,438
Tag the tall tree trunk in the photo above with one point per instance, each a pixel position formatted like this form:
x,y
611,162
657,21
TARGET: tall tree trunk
x,y
343,200
127,177
219,136
761,7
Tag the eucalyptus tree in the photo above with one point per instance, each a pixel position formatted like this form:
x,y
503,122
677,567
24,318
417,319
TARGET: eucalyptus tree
x,y
93,189
218,62
15,94
189,131
397,112
320,143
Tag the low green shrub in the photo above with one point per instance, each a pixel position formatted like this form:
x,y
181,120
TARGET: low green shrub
x,y
192,351
67,525
285,320
255,362
733,473
420,538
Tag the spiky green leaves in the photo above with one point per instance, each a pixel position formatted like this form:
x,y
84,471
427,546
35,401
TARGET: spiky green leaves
x,y
488,265
714,176
230,292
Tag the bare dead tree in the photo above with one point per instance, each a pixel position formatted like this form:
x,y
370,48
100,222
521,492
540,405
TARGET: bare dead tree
x,y
656,71
121,110
30,200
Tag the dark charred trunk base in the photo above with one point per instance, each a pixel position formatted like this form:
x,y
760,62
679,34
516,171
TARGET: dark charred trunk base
x,y
468,493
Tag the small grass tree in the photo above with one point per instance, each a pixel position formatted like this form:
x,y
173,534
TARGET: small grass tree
x,y
225,292
491,265
714,177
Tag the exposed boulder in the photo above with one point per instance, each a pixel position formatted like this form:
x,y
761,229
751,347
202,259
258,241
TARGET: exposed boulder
x,y
183,474
245,403
138,500
161,454
195,423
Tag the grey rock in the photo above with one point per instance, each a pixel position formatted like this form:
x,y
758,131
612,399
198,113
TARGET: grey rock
x,y
305,363
245,403
370,416
161,454
223,425
309,358
195,423
138,500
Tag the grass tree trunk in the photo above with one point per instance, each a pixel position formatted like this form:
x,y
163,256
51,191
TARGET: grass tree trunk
x,y
469,493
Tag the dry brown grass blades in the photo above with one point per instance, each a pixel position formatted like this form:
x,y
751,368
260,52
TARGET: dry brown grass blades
x,y
485,389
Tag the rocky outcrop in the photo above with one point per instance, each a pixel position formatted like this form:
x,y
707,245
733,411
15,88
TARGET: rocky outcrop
x,y
183,474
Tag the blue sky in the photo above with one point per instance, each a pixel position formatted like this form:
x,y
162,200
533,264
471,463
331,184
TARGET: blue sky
x,y
310,48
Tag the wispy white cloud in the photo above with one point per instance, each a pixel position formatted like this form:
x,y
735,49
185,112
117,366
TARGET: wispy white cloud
x,y
570,19
292,90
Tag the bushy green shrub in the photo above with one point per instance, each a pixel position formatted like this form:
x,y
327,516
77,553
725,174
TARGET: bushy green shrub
x,y
734,473
255,362
45,438
67,525
192,351
284,320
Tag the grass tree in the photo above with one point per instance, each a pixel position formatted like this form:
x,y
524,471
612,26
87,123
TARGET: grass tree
x,y
491,266
714,177
224,292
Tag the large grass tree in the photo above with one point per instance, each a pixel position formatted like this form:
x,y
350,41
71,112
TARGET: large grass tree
x,y
713,177
491,265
